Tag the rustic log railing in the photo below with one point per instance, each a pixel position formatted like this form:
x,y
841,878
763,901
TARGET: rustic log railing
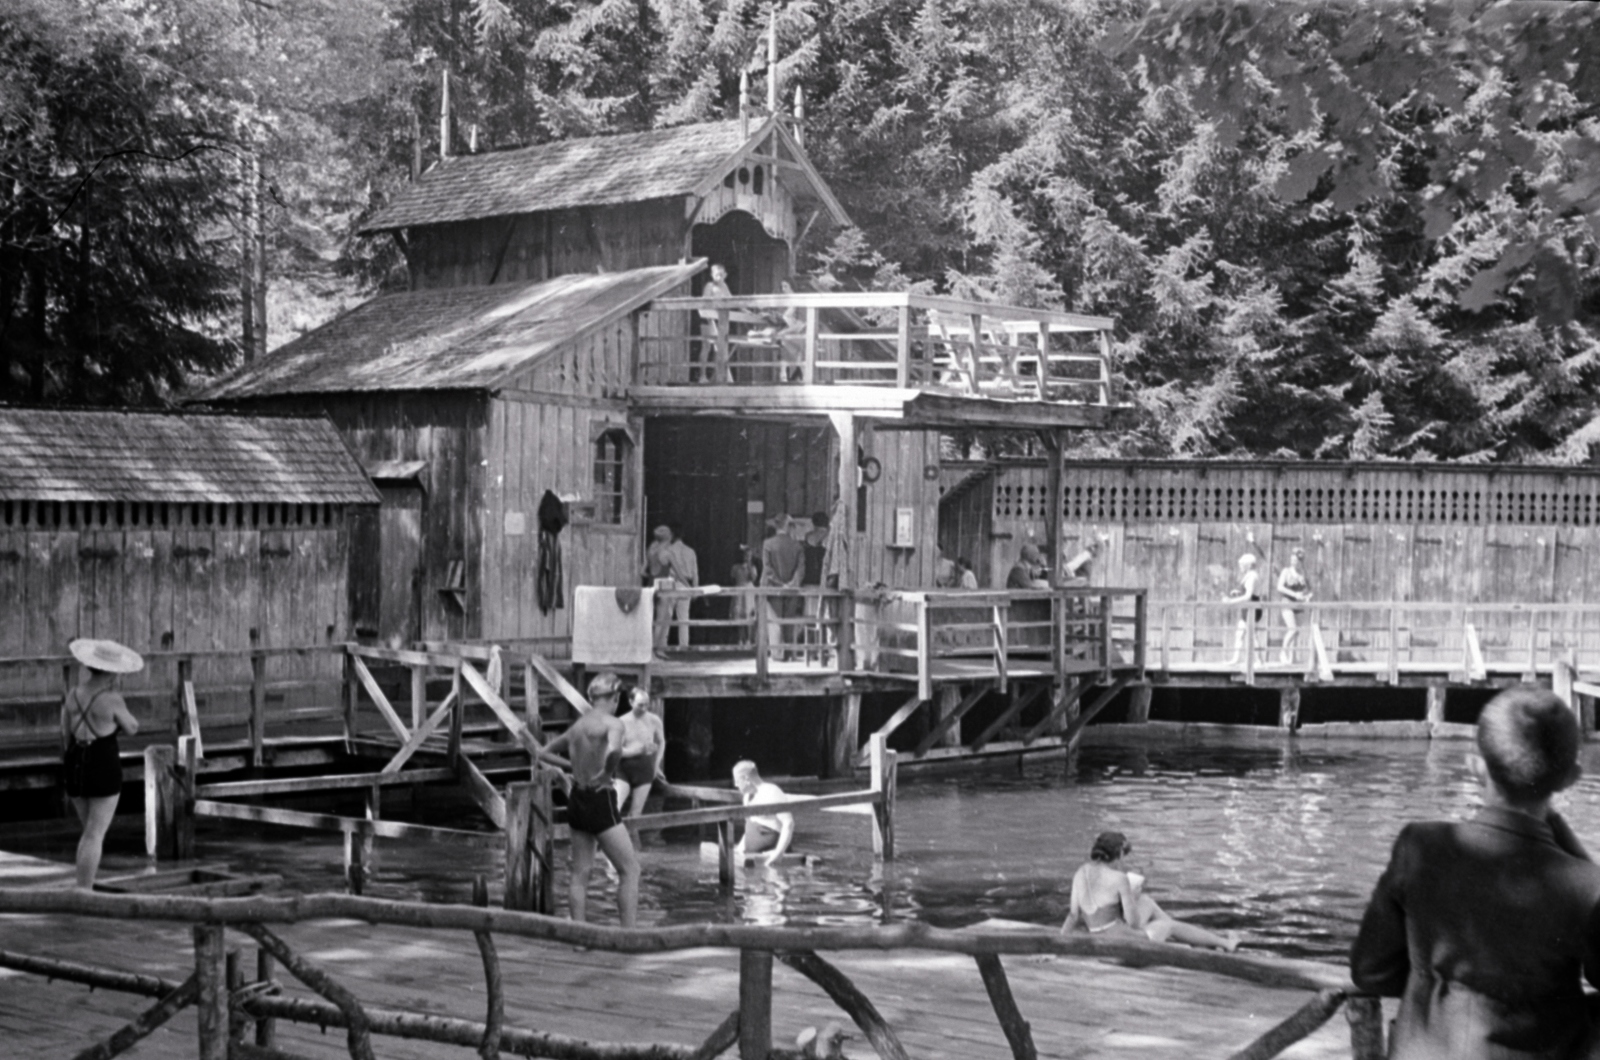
x,y
1382,640
228,1006
901,340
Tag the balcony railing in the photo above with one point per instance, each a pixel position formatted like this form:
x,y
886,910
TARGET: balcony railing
x,y
877,339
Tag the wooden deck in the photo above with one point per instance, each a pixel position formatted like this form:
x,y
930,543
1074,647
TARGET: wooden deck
x,y
935,1001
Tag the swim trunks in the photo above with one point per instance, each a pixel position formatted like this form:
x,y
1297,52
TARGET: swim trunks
x,y
93,770
758,838
638,770
593,810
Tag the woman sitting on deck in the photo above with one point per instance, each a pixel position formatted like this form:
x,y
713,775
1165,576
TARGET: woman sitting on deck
x,y
1106,897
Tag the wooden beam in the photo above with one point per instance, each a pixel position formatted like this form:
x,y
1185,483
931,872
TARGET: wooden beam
x,y
899,717
650,822
1016,1029
211,991
507,716
1020,704
123,1039
848,997
358,1031
562,686
483,792
380,700
1306,1019
952,719
1075,730
327,822
238,789
755,1004
420,734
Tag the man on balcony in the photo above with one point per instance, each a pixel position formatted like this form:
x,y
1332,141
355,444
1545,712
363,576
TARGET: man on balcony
x,y
782,567
671,565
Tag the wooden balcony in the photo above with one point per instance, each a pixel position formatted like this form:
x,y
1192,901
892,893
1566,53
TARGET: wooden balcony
x,y
894,355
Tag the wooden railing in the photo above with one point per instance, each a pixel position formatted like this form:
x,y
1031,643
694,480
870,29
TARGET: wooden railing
x,y
900,340
228,1005
921,635
1384,640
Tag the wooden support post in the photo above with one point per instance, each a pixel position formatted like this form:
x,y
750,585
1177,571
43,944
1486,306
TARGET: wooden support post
x,y
453,743
1016,1029
1289,708
357,857
1562,677
233,975
160,801
1141,631
1437,691
258,709
352,692
419,695
883,766
495,1017
726,843
948,699
1366,1027
211,1001
848,997
809,368
755,1004
180,718
1108,649
1139,704
720,1040
530,845
266,1026
530,702
902,349
847,479
1055,510
183,805
763,625
844,733
1166,637
1392,671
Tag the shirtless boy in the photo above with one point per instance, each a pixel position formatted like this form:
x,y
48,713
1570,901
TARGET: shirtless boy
x,y
644,741
594,745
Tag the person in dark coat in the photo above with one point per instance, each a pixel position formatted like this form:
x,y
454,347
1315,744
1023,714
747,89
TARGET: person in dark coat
x,y
1485,929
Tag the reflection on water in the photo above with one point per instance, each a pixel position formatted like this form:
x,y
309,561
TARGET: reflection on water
x,y
1282,843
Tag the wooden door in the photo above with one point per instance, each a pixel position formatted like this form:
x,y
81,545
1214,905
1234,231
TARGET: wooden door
x,y
399,575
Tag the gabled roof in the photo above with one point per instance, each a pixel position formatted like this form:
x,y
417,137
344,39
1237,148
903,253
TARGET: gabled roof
x,y
452,338
165,457
594,171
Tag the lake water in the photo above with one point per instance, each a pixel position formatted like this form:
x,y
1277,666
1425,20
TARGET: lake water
x,y
1281,842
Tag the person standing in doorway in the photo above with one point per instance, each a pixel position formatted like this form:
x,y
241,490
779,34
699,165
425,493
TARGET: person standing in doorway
x,y
92,715
743,575
782,567
1296,588
671,565
593,744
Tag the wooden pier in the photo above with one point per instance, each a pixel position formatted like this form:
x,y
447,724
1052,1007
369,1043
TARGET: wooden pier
x,y
438,974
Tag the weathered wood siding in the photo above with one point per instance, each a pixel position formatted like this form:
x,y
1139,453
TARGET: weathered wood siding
x,y
1425,533
598,366
537,246
167,577
445,430
773,207
907,482
535,446
966,520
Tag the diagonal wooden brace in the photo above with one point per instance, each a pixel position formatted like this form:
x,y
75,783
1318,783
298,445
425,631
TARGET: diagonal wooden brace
x,y
380,700
1022,703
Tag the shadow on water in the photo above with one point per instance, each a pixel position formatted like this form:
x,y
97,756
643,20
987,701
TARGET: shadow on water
x,y
1282,843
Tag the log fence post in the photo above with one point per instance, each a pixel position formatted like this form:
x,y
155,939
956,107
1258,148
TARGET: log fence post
x,y
212,1003
883,767
160,801
233,976
180,718
1366,1027
1016,1029
530,845
495,1016
266,1026
183,805
755,1004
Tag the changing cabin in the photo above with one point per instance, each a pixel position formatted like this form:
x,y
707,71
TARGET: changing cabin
x,y
178,535
558,347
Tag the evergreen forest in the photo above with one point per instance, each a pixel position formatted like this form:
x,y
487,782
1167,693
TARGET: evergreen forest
x,y
1345,229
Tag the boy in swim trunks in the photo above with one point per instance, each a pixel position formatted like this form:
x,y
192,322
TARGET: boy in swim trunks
x,y
644,741
762,835
1486,929
593,743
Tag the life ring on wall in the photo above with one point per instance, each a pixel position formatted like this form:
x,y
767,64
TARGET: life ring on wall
x,y
871,469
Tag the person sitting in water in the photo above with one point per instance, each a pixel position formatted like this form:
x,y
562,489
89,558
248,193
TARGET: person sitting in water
x,y
644,741
1107,898
762,835
1486,929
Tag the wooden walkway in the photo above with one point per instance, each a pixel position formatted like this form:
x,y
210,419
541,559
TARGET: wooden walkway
x,y
935,1001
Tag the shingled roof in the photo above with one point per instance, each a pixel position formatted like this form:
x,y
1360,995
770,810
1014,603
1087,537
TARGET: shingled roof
x,y
594,171
164,457
453,338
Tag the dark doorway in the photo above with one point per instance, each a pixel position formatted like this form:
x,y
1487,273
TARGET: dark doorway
x,y
720,480
756,262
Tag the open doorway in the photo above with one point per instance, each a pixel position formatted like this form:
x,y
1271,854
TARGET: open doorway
x,y
756,262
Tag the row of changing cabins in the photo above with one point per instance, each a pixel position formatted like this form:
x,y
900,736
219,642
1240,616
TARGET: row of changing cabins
x,y
386,479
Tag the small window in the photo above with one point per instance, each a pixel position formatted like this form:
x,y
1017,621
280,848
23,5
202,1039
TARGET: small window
x,y
610,476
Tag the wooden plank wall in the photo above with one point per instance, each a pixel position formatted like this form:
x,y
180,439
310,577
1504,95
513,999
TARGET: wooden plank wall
x,y
1407,533
444,430
965,521
530,247
599,366
174,577
907,482
533,446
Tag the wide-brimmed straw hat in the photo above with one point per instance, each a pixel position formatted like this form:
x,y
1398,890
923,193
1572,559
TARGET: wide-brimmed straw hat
x,y
106,655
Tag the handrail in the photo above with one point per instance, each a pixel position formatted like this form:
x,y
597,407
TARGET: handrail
x,y
751,1026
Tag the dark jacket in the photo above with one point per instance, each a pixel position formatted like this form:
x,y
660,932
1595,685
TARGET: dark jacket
x,y
1483,929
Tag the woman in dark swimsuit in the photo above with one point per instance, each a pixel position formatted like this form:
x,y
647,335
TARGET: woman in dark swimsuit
x,y
91,716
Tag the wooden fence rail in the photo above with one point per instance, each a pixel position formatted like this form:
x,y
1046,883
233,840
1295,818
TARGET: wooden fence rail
x,y
227,1004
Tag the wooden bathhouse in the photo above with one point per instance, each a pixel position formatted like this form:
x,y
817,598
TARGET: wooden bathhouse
x,y
558,345
171,533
